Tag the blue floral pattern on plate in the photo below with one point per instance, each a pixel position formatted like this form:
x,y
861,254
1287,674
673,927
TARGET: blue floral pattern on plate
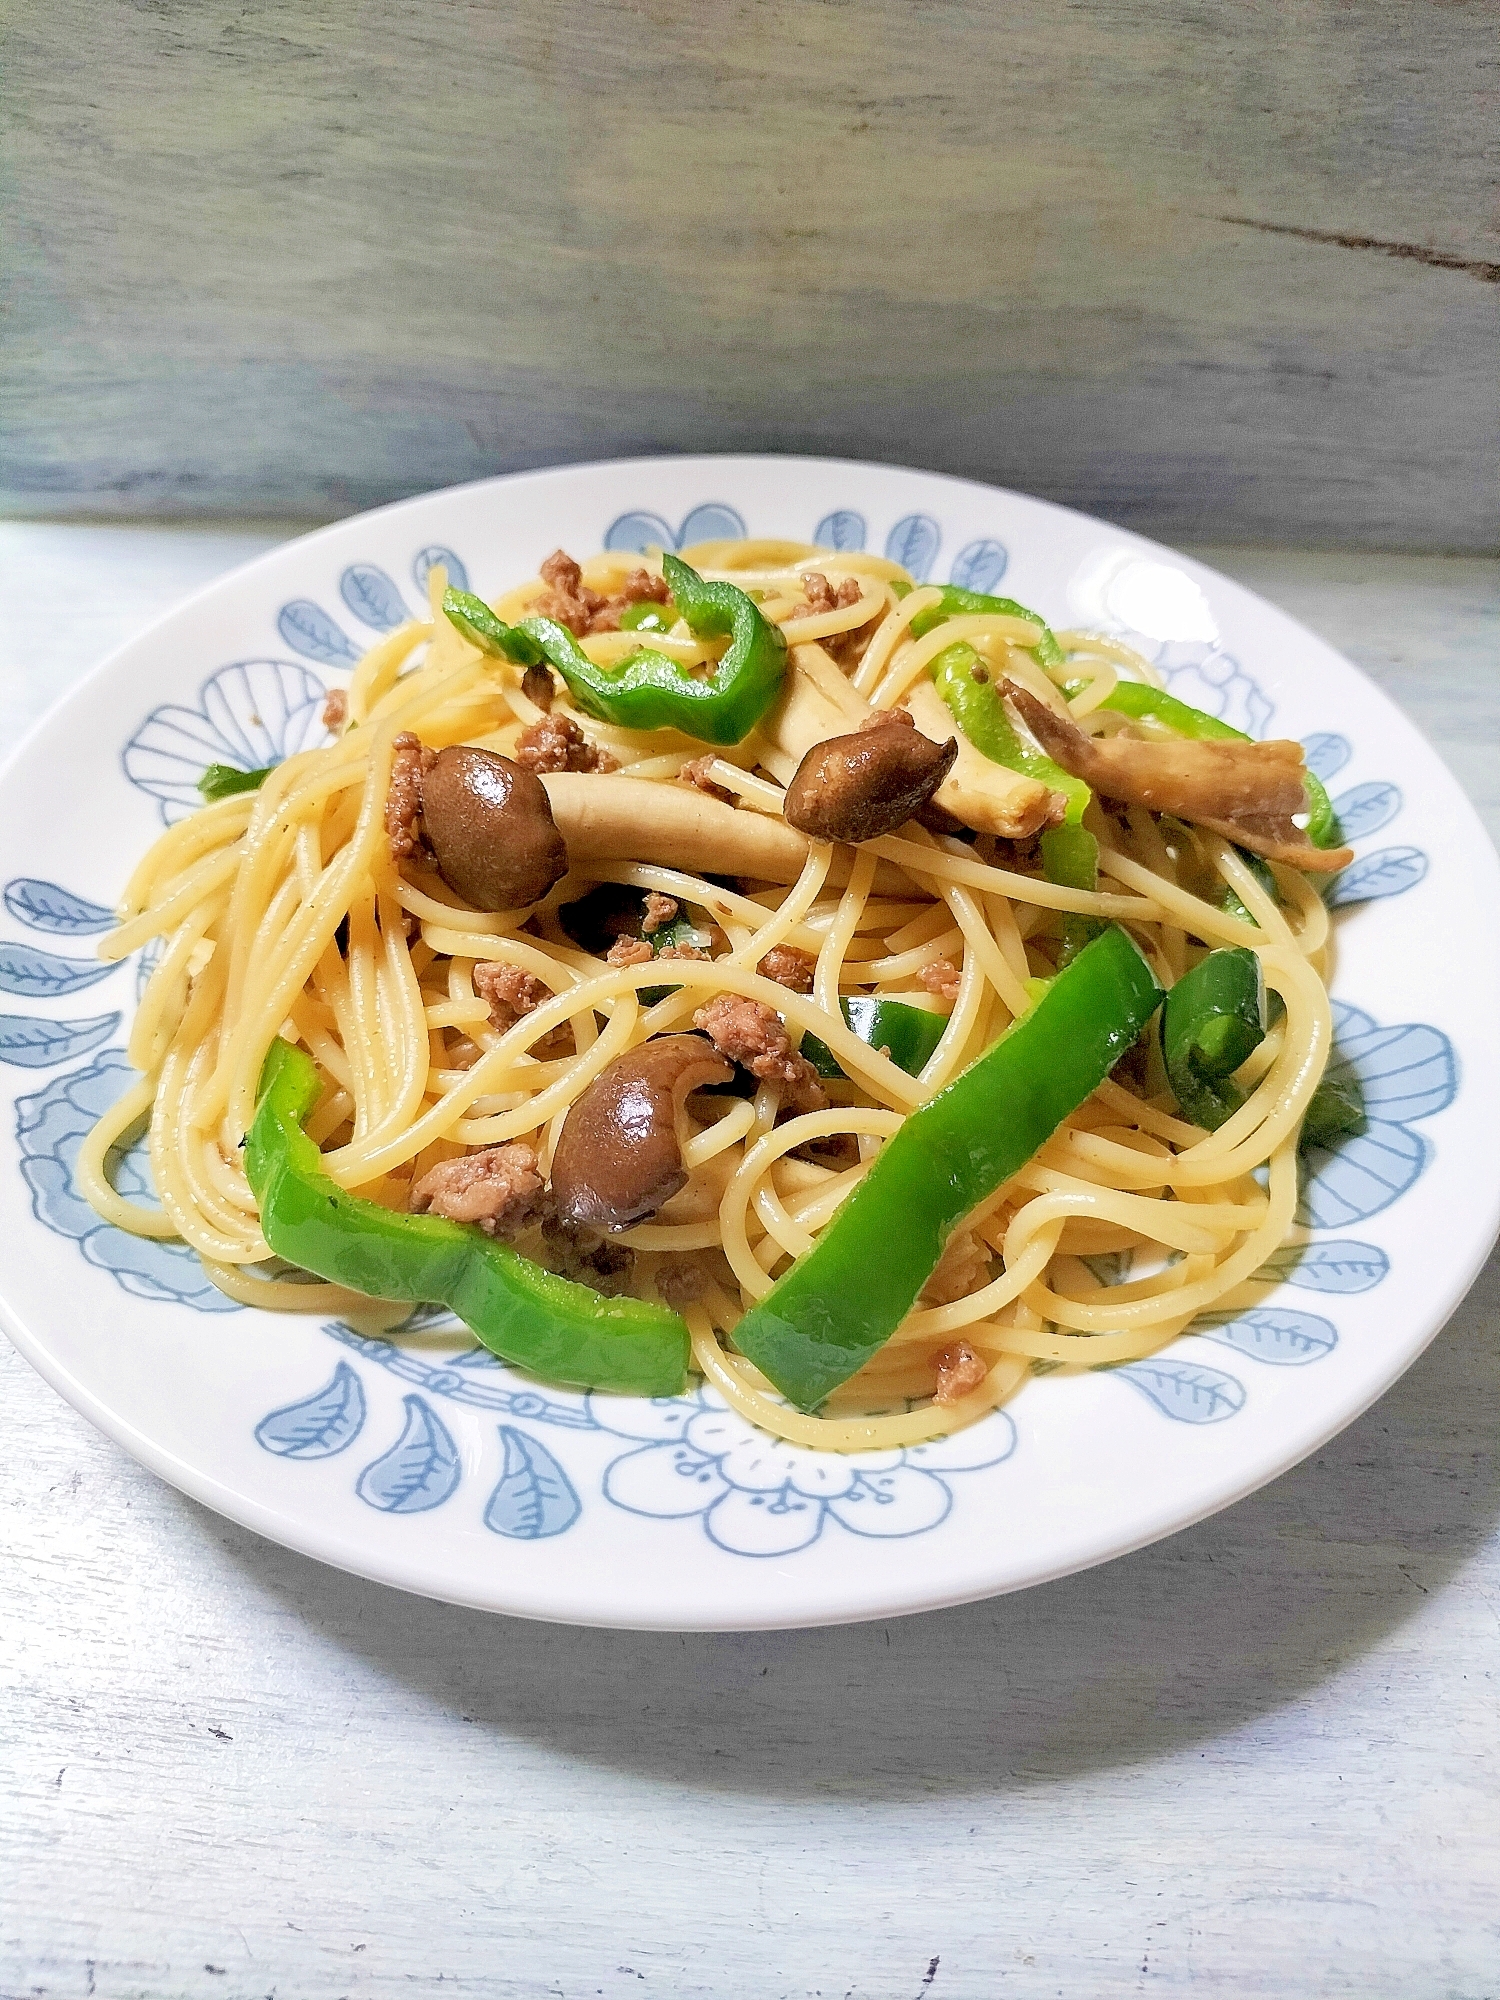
x,y
249,716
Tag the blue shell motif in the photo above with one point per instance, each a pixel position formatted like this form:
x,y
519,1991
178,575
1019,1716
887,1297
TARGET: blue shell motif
x,y
1404,1072
1184,1390
326,1422
913,543
421,1469
40,975
372,596
711,522
33,1043
51,1127
980,566
1367,808
843,530
43,906
307,629
1206,677
1274,1334
1326,754
426,560
250,715
1340,1266
1389,871
535,1497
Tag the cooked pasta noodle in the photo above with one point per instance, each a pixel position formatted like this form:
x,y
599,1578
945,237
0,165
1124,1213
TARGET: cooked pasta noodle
x,y
285,911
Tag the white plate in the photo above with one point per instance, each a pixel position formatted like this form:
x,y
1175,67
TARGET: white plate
x,y
428,1465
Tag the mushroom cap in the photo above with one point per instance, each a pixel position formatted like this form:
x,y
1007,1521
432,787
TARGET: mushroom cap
x,y
618,1158
490,825
860,786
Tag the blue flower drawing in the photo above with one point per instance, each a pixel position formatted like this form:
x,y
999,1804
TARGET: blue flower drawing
x,y
249,715
50,1127
757,1496
1404,1073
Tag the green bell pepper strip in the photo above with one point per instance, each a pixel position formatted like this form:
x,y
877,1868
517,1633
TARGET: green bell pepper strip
x,y
1070,857
222,781
479,625
1260,868
647,616
907,1034
981,715
649,691
841,1302
561,1331
1337,1108
1149,704
1213,1020
958,603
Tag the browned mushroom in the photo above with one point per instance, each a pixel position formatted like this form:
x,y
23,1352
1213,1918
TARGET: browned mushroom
x,y
490,825
860,786
618,1159
1248,792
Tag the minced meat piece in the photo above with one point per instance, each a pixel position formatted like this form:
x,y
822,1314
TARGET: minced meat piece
x,y
941,978
680,1281
789,967
509,992
538,685
846,648
335,708
684,951
403,802
571,602
581,1255
959,1370
556,743
696,775
499,1188
659,910
755,1038
963,1267
882,718
629,951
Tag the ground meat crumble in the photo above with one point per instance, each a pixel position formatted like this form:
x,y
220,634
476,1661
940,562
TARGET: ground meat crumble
x,y
629,951
679,1281
959,1370
556,743
508,991
403,802
499,1188
789,967
335,709
538,686
963,1267
659,910
941,978
570,601
846,648
754,1037
696,774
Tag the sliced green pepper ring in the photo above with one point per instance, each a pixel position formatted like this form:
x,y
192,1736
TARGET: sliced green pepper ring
x,y
907,1034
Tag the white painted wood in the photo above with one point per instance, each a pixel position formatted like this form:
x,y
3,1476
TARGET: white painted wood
x,y
1258,1761
1176,264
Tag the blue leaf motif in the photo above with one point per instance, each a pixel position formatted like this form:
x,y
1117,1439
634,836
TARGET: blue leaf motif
x,y
712,522
426,560
980,566
1389,871
913,543
635,533
36,1044
372,596
843,530
1185,1391
250,714
38,975
1360,1176
1327,755
419,1471
308,629
535,1497
42,906
326,1422
1340,1266
1405,1072
1272,1334
1367,808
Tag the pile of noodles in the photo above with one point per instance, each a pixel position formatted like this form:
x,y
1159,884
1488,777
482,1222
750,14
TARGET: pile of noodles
x,y
249,894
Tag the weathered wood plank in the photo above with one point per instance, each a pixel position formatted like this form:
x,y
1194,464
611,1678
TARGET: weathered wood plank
x,y
303,258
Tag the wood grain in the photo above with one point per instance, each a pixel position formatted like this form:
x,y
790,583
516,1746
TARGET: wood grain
x,y
1216,272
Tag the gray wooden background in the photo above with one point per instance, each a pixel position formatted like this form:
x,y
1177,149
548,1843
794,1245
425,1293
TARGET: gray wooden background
x,y
1221,271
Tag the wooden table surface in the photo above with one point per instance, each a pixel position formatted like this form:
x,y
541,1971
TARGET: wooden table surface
x,y
1258,1759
